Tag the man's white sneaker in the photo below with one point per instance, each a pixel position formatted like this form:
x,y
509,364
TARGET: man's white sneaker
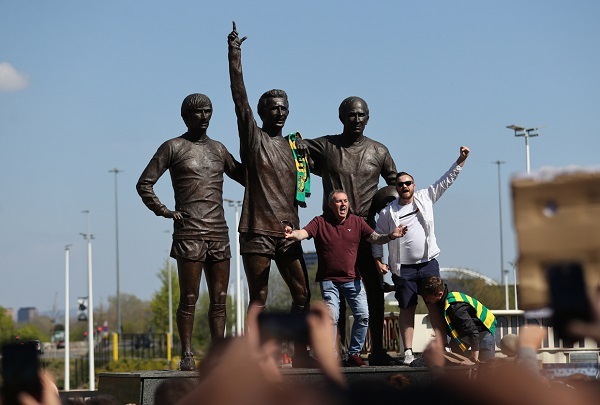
x,y
408,358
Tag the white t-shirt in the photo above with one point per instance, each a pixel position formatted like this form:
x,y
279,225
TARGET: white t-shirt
x,y
413,244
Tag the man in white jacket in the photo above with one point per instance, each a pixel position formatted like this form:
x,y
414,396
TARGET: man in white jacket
x,y
413,256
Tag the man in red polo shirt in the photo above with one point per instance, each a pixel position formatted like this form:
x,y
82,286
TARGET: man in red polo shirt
x,y
337,236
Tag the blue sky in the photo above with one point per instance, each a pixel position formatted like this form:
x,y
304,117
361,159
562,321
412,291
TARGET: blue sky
x,y
86,87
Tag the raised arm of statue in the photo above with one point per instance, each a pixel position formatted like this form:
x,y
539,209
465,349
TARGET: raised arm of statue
x,y
238,89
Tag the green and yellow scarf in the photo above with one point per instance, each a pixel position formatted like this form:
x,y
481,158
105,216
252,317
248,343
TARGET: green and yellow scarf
x,y
302,171
485,315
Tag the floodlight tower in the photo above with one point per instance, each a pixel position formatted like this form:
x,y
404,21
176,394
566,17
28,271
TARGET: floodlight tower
x,y
239,312
526,133
503,272
88,236
116,172
170,304
67,322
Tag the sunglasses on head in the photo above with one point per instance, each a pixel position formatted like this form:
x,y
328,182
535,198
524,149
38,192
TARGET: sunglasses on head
x,y
404,183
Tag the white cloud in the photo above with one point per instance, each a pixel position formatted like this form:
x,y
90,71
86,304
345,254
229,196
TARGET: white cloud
x,y
11,79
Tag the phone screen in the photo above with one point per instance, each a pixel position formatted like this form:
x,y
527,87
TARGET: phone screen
x,y
569,297
20,372
283,327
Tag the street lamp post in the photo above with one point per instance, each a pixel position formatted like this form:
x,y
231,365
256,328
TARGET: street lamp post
x,y
526,133
238,279
503,273
116,172
514,266
170,295
88,236
67,329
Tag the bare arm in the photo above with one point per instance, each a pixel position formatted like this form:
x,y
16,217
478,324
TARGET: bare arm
x,y
299,234
377,250
379,239
382,239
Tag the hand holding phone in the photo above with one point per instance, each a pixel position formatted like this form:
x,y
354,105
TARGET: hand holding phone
x,y
20,372
283,326
569,298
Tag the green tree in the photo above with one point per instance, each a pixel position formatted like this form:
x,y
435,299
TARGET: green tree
x,y
279,298
201,334
159,304
136,314
76,330
30,331
492,296
7,326
44,324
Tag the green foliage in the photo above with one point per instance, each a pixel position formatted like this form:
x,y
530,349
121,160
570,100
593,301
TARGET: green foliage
x,y
159,305
7,326
315,289
279,298
55,368
201,335
44,325
492,296
76,331
32,332
136,314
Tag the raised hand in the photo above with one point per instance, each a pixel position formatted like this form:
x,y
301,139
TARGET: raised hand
x,y
233,38
464,153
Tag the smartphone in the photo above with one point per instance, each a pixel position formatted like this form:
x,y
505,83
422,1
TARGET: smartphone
x,y
282,327
20,372
568,296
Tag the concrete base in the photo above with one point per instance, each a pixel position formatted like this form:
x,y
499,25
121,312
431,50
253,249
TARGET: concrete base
x,y
138,387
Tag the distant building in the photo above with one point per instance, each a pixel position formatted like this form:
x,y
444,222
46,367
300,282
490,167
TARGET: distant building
x,y
27,314
310,258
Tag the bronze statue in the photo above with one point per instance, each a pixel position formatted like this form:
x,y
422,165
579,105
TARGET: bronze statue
x,y
270,195
200,236
353,162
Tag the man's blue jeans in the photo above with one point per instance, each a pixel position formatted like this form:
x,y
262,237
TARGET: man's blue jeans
x,y
355,295
487,347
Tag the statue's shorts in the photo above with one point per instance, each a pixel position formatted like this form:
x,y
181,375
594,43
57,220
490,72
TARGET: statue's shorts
x,y
205,251
270,246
